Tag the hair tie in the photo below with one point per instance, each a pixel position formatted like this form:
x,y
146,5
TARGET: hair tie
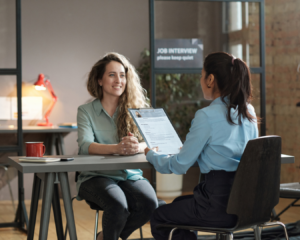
x,y
233,58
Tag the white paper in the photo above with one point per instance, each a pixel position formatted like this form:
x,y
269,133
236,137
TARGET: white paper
x,y
5,106
32,108
157,130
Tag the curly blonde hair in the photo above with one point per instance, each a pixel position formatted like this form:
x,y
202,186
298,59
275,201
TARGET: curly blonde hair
x,y
134,96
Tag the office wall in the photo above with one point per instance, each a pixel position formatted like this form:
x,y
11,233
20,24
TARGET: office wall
x,y
283,80
63,39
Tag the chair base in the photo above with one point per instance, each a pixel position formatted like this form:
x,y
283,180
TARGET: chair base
x,y
221,234
275,216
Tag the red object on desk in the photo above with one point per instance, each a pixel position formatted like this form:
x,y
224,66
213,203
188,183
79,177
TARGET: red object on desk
x,y
40,84
35,149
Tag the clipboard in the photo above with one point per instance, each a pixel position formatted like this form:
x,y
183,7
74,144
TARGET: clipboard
x,y
156,129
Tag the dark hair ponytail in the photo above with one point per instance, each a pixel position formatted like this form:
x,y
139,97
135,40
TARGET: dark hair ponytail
x,y
234,81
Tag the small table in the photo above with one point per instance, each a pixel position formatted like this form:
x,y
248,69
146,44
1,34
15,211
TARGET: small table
x,y
53,138
55,172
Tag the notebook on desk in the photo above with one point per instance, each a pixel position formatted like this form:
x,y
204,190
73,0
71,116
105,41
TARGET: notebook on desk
x,y
38,159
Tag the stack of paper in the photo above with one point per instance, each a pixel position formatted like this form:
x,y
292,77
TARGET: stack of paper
x,y
38,159
157,130
68,125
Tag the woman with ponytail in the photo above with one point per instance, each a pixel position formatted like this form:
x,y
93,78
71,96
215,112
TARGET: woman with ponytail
x,y
216,141
106,127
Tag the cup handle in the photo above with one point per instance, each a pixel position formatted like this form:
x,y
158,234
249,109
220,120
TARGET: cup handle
x,y
44,149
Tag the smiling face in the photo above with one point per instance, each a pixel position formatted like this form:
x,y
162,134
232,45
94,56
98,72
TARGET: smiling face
x,y
113,82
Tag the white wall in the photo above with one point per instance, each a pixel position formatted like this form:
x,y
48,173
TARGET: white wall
x,y
63,39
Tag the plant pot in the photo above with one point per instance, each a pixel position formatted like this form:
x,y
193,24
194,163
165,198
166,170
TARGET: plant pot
x,y
168,185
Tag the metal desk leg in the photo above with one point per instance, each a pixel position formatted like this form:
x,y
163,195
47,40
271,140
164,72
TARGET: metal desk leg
x,y
63,178
34,206
21,215
61,143
52,144
57,147
46,206
57,213
257,232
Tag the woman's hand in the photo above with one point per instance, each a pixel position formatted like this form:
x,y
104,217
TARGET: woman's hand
x,y
128,146
155,149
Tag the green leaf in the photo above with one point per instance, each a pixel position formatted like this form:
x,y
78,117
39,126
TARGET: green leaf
x,y
177,76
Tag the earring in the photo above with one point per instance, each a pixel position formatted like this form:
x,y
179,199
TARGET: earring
x,y
208,86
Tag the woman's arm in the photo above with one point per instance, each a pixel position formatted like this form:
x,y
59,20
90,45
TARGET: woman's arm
x,y
98,148
86,140
123,148
87,144
196,140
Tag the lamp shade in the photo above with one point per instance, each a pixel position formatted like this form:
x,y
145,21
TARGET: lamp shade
x,y
40,84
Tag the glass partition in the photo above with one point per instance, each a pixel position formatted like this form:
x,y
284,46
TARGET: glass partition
x,y
181,96
222,26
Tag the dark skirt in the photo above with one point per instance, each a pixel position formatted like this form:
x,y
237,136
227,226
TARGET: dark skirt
x,y
211,196
206,208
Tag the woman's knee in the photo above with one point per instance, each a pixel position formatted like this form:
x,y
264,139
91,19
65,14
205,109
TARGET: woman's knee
x,y
117,209
149,204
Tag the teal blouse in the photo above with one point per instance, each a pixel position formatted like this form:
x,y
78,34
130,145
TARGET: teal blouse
x,y
96,125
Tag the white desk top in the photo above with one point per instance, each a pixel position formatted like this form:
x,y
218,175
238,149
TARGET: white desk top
x,y
37,129
83,163
94,163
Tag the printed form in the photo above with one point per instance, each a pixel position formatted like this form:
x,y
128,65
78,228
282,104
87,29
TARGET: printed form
x,y
157,130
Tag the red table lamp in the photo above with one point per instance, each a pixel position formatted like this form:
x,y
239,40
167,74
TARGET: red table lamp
x,y
40,84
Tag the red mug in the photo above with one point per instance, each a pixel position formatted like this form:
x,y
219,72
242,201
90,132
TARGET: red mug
x,y
35,149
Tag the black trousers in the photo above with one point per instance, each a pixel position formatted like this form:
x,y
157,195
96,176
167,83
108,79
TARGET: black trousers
x,y
206,208
127,205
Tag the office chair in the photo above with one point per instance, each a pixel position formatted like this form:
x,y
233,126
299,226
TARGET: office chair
x,y
94,206
254,193
288,190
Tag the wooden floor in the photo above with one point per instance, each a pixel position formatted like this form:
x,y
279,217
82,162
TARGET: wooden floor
x,y
84,219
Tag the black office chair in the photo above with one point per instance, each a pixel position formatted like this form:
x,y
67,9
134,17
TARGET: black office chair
x,y
97,208
255,190
288,190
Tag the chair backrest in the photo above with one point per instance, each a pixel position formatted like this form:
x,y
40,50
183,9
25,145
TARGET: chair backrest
x,y
255,190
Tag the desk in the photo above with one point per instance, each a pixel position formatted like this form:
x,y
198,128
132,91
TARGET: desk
x,y
52,173
53,139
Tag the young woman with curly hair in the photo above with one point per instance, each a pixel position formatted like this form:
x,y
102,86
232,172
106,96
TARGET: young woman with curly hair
x,y
106,127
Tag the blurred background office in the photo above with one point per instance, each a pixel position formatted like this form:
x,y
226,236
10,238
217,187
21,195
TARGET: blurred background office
x,y
62,39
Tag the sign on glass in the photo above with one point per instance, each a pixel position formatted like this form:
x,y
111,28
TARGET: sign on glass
x,y
178,53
